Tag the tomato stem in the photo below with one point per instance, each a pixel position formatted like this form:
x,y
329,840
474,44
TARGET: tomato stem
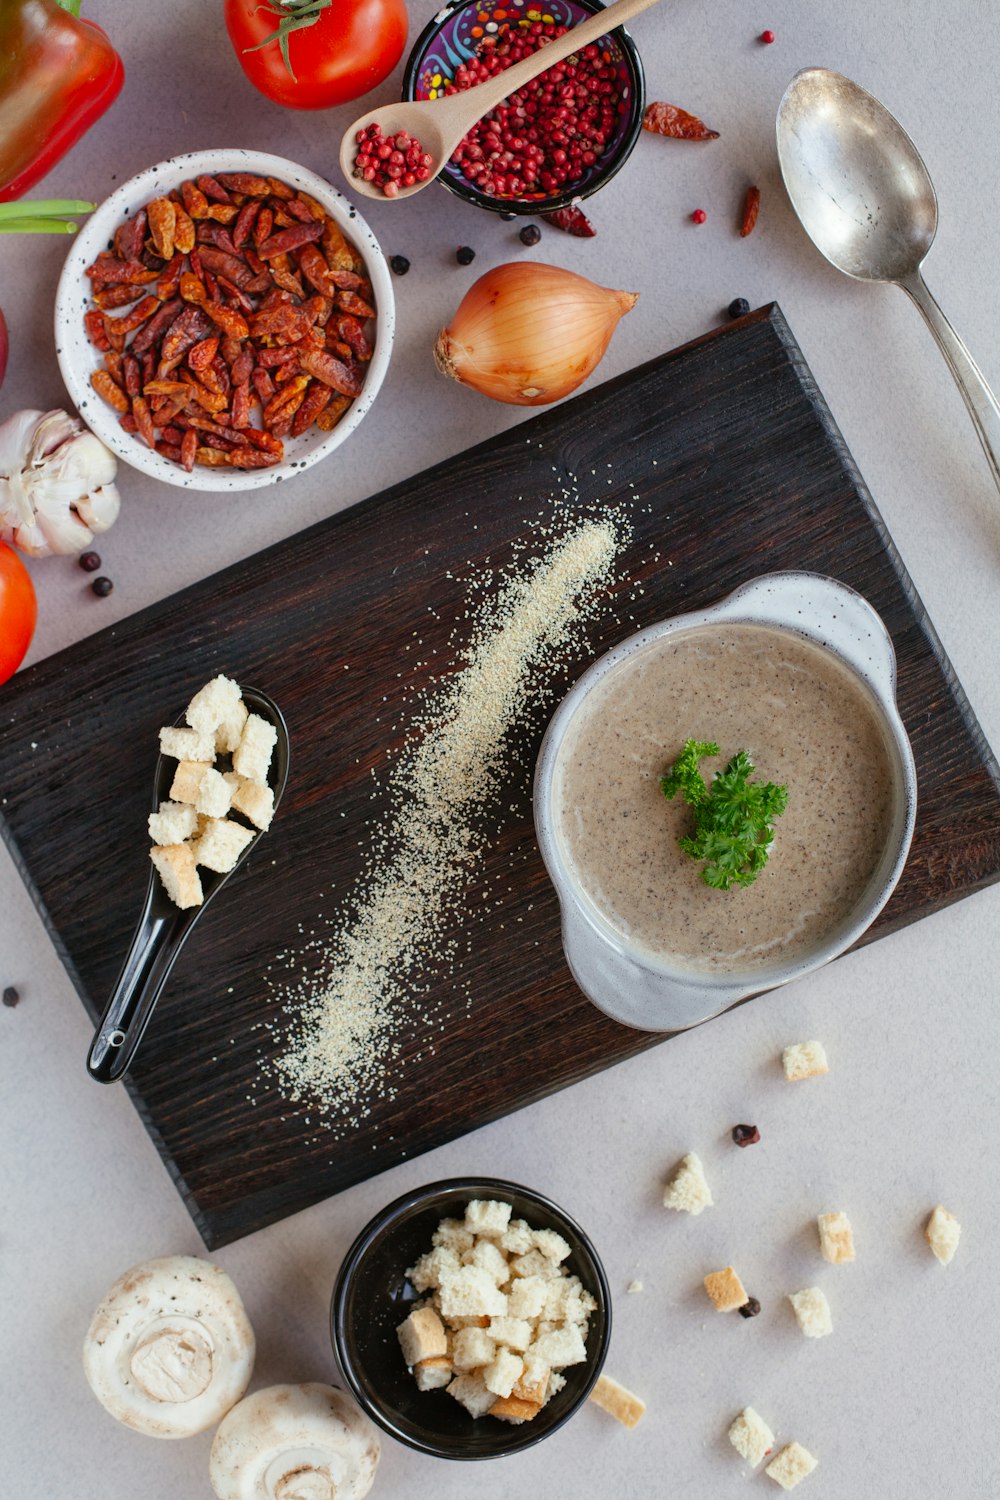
x,y
293,16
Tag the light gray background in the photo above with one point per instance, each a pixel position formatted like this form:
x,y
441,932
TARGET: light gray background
x,y
901,1401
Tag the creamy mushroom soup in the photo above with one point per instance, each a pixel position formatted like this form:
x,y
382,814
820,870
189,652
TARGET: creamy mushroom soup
x,y
806,721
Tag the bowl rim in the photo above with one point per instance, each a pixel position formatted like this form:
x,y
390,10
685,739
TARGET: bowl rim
x,y
519,207
591,943
73,299
417,1199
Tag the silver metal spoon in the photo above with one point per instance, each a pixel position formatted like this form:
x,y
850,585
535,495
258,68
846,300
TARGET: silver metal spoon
x,y
164,928
867,202
440,124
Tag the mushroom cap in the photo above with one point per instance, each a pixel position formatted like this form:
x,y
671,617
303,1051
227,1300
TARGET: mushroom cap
x,y
295,1442
170,1348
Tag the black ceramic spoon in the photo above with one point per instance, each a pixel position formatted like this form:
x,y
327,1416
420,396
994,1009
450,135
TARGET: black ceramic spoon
x,y
164,928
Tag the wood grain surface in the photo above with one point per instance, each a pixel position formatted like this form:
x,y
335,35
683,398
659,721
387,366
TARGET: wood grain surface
x,y
729,465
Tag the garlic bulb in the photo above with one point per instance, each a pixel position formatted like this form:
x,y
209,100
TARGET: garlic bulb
x,y
170,1348
56,483
294,1442
527,333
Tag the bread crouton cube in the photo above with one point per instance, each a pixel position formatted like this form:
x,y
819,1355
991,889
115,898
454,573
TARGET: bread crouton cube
x,y
514,1409
432,1374
452,1234
812,1311
472,1393
502,1371
487,1216
560,1347
533,1263
726,1290
527,1297
617,1401
429,1269
472,1348
177,870
187,781
220,844
186,744
490,1258
552,1245
804,1060
514,1332
212,704
554,1385
517,1237
942,1232
751,1436
252,756
173,823
791,1465
227,735
836,1240
252,800
422,1336
214,794
687,1190
471,1291
536,1372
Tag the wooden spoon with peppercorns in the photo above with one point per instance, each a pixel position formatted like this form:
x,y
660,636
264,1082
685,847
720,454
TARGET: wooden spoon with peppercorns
x,y
436,126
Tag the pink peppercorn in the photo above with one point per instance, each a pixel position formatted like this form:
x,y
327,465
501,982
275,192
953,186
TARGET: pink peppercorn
x,y
699,216
390,162
767,37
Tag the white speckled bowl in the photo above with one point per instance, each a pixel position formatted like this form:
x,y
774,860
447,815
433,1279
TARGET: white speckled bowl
x,y
78,358
655,995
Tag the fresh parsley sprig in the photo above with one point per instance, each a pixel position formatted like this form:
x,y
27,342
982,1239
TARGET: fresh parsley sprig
x,y
732,819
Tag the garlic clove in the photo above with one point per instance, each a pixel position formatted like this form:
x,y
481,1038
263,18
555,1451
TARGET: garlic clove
x,y
170,1349
56,483
294,1442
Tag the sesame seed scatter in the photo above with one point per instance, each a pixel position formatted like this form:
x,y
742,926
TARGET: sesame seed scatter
x,y
348,1017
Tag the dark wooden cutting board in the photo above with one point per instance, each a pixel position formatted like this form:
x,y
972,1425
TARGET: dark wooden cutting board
x,y
731,466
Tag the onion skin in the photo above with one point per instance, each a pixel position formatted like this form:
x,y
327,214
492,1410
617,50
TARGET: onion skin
x,y
528,334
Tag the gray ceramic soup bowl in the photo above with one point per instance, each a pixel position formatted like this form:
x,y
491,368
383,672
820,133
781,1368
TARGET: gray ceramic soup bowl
x,y
660,993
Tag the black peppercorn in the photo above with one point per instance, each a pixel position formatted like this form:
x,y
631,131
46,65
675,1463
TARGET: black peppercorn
x,y
399,265
89,561
530,234
10,997
738,308
750,1308
102,587
465,255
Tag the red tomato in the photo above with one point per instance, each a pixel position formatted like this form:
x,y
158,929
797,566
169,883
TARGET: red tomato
x,y
18,611
348,50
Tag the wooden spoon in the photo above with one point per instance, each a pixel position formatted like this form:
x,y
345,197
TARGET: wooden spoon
x,y
439,124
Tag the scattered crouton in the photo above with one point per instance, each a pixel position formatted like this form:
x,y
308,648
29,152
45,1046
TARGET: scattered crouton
x,y
836,1239
812,1311
791,1465
618,1402
726,1290
942,1232
751,1436
687,1189
804,1060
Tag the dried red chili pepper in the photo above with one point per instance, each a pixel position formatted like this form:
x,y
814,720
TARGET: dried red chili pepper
x,y
570,220
58,74
751,208
668,119
290,239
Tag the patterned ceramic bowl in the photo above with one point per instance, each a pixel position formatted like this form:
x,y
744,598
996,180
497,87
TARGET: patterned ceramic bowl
x,y
78,359
453,36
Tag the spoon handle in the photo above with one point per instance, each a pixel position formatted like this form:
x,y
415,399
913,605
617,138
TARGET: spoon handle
x,y
494,90
126,1015
978,397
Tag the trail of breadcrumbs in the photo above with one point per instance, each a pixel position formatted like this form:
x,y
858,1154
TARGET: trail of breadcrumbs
x,y
345,1036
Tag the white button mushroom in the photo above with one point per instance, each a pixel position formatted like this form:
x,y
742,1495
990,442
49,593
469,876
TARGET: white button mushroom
x,y
294,1442
170,1348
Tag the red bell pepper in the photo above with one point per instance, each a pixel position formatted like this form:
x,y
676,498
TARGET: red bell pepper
x,y
58,75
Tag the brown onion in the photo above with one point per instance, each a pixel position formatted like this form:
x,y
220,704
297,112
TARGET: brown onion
x,y
529,334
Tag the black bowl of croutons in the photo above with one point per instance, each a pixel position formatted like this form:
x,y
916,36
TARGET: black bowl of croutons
x,y
471,1318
